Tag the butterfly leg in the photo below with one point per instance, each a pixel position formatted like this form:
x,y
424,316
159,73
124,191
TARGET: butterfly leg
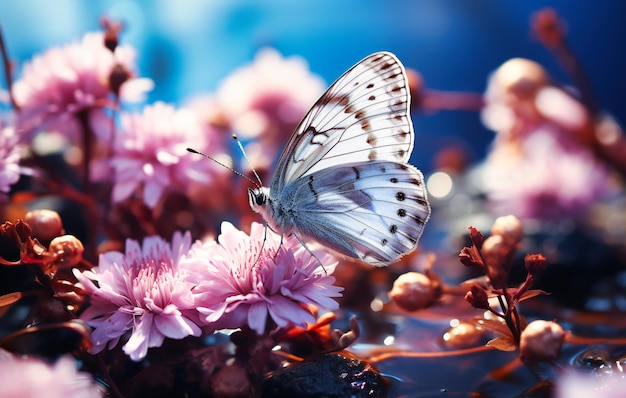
x,y
266,225
282,233
310,252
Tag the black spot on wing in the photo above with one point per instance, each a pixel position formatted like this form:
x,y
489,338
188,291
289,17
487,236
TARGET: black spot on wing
x,y
366,126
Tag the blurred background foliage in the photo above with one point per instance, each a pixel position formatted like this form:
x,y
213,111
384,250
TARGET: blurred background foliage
x,y
187,47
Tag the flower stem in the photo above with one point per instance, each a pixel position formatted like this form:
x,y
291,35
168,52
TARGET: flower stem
x,y
88,135
8,71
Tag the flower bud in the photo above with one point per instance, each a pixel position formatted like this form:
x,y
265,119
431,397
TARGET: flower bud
x,y
111,33
413,291
541,341
45,224
470,257
497,258
535,263
509,228
22,231
476,237
463,335
67,251
111,40
477,297
416,87
548,28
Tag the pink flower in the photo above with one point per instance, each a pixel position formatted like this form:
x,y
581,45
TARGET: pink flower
x,y
150,153
10,169
267,99
63,81
552,176
572,384
33,378
539,166
143,291
241,280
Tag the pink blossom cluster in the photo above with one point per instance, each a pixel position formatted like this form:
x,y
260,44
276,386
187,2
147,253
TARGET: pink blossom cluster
x,y
538,166
30,378
10,155
159,290
149,154
64,81
266,100
68,91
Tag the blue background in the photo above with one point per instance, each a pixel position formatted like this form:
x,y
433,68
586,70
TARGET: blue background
x,y
188,46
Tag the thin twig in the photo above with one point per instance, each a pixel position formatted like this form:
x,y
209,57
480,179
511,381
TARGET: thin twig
x,y
436,354
8,71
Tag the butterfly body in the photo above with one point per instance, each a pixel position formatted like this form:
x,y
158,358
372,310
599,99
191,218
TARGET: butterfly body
x,y
343,178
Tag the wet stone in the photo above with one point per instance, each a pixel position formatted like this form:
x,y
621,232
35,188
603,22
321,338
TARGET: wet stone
x,y
327,375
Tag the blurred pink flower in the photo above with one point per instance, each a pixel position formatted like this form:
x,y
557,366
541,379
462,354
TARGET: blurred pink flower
x,y
553,178
149,152
539,166
241,280
143,291
571,384
33,378
63,81
267,99
10,169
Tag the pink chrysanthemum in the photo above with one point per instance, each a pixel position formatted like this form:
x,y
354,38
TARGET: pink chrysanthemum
x,y
9,159
63,81
149,153
30,378
143,291
267,99
241,280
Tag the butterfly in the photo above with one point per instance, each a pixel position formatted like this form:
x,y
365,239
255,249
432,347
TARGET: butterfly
x,y
343,179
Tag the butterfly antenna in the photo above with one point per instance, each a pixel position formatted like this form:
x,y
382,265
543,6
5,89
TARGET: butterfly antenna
x,y
228,167
243,152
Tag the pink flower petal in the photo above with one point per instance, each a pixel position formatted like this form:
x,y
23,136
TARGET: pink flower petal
x,y
250,281
140,292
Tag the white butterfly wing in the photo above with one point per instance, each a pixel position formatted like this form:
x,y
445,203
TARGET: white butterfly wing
x,y
363,116
374,210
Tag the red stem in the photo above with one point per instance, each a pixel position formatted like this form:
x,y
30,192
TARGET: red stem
x,y
8,70
436,354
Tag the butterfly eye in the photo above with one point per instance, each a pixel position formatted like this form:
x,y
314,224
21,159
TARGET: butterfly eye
x,y
257,197
260,199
